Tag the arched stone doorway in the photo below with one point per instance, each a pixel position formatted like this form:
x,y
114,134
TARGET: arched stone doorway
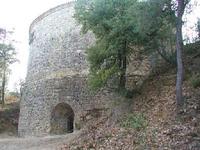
x,y
62,119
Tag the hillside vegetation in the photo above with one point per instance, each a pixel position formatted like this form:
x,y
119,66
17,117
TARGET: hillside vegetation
x,y
165,108
9,115
153,122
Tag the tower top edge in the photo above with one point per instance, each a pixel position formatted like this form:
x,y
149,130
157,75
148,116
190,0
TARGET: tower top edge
x,y
50,11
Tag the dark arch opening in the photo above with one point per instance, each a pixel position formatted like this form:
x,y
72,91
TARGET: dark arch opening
x,y
62,119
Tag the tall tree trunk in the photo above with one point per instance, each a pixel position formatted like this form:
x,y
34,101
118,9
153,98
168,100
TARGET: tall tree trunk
x,y
3,87
179,50
122,80
123,65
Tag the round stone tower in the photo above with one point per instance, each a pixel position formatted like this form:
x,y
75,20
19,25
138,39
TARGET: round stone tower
x,y
55,97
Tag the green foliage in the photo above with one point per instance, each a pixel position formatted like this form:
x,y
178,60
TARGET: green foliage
x,y
198,27
111,22
128,94
14,94
120,27
192,48
156,24
7,54
195,80
135,121
7,50
98,79
7,57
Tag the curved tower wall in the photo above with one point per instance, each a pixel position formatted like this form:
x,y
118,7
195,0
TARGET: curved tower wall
x,y
57,72
56,46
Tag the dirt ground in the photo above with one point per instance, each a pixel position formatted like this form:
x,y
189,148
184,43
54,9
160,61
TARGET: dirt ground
x,y
8,133
36,143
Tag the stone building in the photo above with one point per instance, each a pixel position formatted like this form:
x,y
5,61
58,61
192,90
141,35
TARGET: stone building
x,y
55,98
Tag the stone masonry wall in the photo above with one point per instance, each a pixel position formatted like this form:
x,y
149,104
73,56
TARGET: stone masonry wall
x,y
57,72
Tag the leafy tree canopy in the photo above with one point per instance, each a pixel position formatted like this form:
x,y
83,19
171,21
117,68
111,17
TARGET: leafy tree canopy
x,y
119,26
7,57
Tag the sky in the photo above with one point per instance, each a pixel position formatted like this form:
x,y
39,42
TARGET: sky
x,y
19,14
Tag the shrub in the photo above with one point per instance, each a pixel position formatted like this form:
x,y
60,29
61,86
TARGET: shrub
x,y
135,121
192,48
195,80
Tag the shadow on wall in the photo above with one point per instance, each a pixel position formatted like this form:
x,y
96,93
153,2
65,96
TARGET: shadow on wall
x,y
62,119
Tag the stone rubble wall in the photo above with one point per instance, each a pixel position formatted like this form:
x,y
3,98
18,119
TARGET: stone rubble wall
x,y
57,72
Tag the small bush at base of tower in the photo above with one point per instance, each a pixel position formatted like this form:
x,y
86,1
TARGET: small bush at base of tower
x,y
135,121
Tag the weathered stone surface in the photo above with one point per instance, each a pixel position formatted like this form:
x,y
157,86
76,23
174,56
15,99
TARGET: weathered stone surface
x,y
57,72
